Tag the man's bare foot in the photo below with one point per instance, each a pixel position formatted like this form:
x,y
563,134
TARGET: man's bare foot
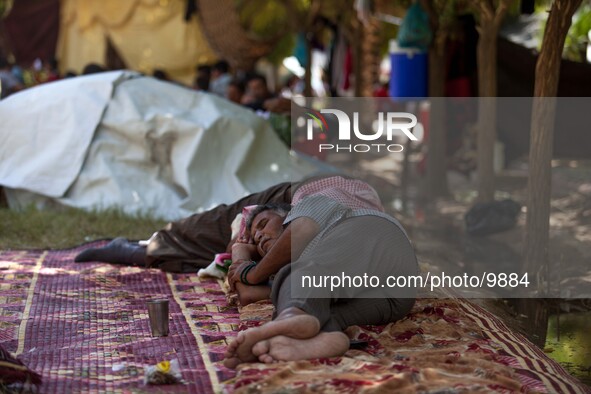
x,y
292,323
282,348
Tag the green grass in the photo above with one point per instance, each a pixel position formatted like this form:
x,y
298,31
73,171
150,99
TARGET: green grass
x,y
32,228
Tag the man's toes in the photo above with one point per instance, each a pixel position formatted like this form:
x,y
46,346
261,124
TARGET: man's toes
x,y
240,338
246,340
231,363
233,345
261,348
229,353
266,358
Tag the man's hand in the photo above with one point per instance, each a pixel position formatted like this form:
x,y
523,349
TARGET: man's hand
x,y
235,271
280,105
242,255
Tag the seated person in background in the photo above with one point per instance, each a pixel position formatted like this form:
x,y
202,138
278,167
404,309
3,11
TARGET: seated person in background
x,y
202,78
235,91
160,74
201,84
336,225
93,68
258,98
9,83
220,78
256,92
51,70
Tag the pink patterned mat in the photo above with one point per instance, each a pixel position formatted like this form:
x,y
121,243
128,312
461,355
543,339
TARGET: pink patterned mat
x,y
73,323
443,346
84,327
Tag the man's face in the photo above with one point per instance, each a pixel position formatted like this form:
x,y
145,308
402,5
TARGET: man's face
x,y
257,89
234,94
266,227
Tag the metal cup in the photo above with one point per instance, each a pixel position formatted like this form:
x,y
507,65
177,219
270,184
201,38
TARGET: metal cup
x,y
158,313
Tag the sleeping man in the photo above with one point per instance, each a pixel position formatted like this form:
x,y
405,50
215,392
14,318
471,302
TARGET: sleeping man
x,y
334,228
294,248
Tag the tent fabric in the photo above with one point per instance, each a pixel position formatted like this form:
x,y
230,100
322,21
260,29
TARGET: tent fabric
x,y
32,29
158,148
50,124
148,34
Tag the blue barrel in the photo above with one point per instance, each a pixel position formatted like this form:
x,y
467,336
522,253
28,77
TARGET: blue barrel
x,y
409,73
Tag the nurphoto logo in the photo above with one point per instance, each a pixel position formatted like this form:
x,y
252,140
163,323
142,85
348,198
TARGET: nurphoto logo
x,y
388,124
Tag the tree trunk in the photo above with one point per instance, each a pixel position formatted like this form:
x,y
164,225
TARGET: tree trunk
x,y
541,140
308,73
536,312
487,108
371,57
357,57
436,144
491,18
436,171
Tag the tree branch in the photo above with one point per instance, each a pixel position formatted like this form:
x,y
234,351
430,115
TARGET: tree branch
x,y
487,10
501,12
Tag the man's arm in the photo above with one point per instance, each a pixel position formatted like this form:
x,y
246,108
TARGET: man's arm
x,y
250,294
242,254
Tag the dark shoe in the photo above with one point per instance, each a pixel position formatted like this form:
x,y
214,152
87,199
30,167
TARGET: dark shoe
x,y
118,251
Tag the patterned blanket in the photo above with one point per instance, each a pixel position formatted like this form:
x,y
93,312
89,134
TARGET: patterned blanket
x,y
84,327
444,345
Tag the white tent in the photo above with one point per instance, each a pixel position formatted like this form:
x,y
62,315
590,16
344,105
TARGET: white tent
x,y
119,139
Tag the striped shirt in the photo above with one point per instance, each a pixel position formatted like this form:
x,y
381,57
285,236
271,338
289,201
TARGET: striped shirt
x,y
327,201
351,193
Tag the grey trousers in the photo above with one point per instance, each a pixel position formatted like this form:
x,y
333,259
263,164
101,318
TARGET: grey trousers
x,y
361,245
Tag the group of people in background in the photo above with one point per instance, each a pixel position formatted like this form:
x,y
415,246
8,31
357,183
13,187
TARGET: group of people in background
x,y
14,78
247,89
250,90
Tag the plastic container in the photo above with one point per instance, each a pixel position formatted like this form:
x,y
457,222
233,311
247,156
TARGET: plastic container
x,y
409,73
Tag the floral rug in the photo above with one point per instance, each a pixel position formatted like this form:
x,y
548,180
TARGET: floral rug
x,y
84,327
443,346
